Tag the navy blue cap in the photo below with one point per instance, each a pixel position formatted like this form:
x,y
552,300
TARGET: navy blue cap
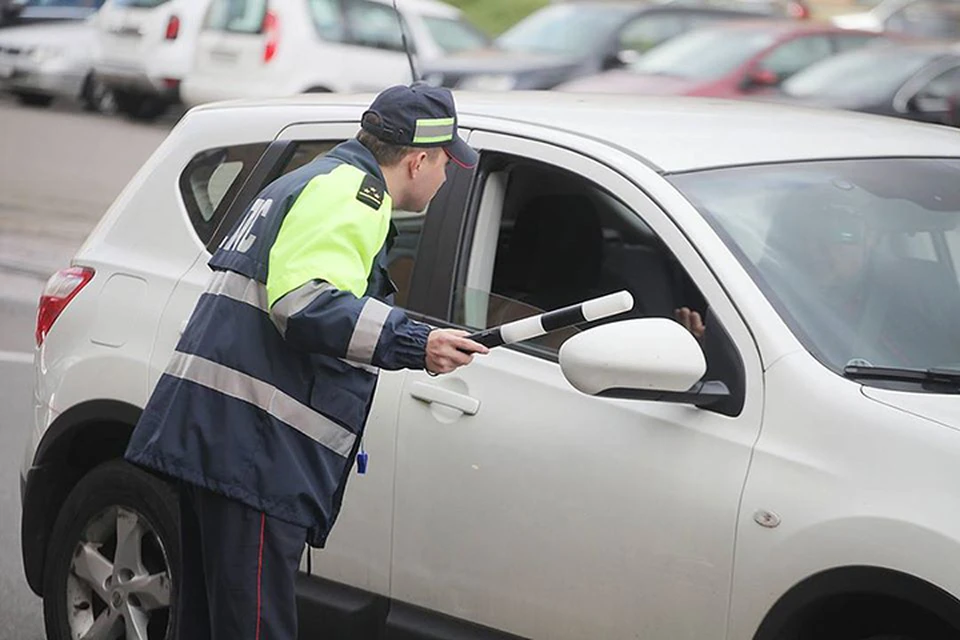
x,y
419,115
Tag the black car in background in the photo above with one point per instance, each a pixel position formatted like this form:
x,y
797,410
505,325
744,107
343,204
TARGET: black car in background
x,y
566,40
18,12
915,81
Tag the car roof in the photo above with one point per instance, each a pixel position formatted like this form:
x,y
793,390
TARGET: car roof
x,y
674,134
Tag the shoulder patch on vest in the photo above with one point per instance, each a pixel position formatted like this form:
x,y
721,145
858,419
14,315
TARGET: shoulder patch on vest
x,y
371,192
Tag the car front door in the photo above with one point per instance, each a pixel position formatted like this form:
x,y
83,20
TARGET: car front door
x,y
528,507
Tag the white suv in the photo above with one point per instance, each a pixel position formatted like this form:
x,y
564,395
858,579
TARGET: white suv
x,y
791,475
261,48
145,49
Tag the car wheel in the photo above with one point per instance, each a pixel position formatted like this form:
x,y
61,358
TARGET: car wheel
x,y
108,567
35,99
97,96
140,107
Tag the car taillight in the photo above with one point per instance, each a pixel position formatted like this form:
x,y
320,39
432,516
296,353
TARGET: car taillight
x,y
799,11
271,29
62,287
173,28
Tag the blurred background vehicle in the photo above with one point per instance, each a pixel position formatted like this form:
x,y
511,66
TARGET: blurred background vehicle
x,y
918,18
248,48
917,81
42,62
20,12
727,60
797,9
145,50
568,40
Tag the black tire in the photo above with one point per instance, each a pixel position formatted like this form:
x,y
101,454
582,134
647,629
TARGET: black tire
x,y
34,99
140,107
113,501
96,96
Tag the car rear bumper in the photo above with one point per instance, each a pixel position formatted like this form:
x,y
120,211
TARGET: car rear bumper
x,y
136,80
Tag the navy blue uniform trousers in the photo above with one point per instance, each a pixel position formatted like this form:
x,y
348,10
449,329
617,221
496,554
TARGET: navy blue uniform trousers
x,y
238,570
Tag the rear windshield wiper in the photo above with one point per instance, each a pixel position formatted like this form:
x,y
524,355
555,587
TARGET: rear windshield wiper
x,y
935,375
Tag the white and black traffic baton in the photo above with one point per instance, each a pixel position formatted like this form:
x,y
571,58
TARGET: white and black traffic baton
x,y
544,323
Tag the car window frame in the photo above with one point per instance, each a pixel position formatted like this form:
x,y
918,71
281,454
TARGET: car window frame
x,y
435,247
739,337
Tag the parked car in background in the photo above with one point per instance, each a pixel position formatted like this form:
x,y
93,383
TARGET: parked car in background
x,y
21,12
565,41
797,9
918,18
727,60
249,48
145,49
40,63
918,82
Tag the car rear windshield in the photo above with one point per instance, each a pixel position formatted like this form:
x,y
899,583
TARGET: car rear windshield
x,y
870,74
704,54
860,257
564,29
237,16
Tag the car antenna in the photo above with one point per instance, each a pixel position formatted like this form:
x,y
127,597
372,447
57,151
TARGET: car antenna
x,y
406,45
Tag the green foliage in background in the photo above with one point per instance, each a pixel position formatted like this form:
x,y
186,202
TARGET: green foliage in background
x,y
496,16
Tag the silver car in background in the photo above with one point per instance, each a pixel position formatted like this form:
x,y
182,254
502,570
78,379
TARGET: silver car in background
x,y
40,63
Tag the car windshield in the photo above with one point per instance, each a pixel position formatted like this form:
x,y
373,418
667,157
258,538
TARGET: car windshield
x,y
703,54
567,29
860,257
870,74
453,35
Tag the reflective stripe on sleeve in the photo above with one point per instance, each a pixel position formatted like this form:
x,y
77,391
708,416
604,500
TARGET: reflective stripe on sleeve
x,y
265,397
367,332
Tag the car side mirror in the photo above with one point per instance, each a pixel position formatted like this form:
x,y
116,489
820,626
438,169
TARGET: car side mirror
x,y
645,359
761,78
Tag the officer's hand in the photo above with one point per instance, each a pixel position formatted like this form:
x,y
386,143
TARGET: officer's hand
x,y
448,350
691,321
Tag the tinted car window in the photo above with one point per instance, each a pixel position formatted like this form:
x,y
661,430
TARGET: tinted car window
x,y
870,75
238,16
453,35
797,54
648,31
704,54
565,29
212,180
327,19
374,25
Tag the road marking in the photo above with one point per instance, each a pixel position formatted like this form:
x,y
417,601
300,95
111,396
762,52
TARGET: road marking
x,y
16,356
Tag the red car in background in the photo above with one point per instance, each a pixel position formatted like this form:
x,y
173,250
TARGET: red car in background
x,y
729,60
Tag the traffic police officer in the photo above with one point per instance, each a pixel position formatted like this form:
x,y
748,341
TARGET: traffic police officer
x,y
260,412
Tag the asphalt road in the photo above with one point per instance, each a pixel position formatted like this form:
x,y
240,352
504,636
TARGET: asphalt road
x,y
60,169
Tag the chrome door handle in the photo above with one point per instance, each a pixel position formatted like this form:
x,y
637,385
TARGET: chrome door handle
x,y
433,394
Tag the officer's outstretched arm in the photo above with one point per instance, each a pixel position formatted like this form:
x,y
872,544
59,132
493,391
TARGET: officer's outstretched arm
x,y
318,270
319,318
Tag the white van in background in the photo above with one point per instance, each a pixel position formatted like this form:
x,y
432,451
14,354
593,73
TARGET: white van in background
x,y
261,48
145,49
